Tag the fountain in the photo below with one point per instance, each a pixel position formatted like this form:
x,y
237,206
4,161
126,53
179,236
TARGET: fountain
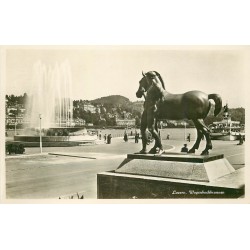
x,y
51,96
51,99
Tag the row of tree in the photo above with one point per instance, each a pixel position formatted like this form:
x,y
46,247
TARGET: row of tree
x,y
237,114
14,100
117,106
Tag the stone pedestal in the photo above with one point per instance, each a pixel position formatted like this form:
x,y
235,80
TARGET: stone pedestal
x,y
171,176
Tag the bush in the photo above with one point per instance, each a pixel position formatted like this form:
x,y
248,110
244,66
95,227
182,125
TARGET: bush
x,y
15,148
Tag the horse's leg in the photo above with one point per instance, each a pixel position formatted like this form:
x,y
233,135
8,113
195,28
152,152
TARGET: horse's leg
x,y
143,133
206,132
151,121
156,126
199,136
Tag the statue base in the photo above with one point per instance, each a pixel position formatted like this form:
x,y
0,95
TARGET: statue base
x,y
172,176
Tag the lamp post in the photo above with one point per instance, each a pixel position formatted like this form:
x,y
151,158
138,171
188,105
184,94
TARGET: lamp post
x,y
16,114
40,118
185,131
15,126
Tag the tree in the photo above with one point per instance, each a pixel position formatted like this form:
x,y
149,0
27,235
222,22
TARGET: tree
x,y
137,121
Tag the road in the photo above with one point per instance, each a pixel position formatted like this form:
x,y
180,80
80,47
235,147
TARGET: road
x,y
43,176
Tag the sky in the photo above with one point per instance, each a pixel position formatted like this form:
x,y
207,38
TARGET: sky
x,y
102,71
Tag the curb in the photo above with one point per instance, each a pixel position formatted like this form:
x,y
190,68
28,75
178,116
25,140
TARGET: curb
x,y
76,156
23,156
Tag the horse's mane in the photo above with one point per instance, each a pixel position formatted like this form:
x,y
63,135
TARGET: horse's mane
x,y
162,82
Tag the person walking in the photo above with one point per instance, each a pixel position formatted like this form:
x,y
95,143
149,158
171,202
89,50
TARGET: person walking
x,y
240,140
109,138
125,138
136,137
105,137
189,137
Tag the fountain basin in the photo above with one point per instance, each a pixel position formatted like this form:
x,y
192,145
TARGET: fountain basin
x,y
55,141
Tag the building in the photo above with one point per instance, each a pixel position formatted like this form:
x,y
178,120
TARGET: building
x,y
89,107
125,122
11,121
79,122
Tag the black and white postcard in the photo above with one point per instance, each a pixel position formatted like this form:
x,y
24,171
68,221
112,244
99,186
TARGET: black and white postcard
x,y
96,124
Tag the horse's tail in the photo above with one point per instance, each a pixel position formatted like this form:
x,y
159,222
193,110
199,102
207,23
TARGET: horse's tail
x,y
218,103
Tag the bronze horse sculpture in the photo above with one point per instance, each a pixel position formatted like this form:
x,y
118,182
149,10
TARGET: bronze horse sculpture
x,y
160,104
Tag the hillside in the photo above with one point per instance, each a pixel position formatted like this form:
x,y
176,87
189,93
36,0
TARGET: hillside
x,y
121,101
116,100
138,106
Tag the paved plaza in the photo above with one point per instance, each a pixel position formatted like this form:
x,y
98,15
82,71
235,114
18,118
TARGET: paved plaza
x,y
64,171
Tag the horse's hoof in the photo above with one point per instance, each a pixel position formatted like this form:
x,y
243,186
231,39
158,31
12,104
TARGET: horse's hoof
x,y
205,152
152,151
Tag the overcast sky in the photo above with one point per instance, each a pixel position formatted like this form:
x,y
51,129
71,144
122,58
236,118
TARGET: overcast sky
x,y
103,71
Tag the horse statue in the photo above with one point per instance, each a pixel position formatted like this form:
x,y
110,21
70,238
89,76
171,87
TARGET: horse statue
x,y
160,104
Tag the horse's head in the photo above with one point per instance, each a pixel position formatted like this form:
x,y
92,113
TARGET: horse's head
x,y
146,82
144,85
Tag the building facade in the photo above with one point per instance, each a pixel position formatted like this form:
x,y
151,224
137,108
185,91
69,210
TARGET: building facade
x,y
125,122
